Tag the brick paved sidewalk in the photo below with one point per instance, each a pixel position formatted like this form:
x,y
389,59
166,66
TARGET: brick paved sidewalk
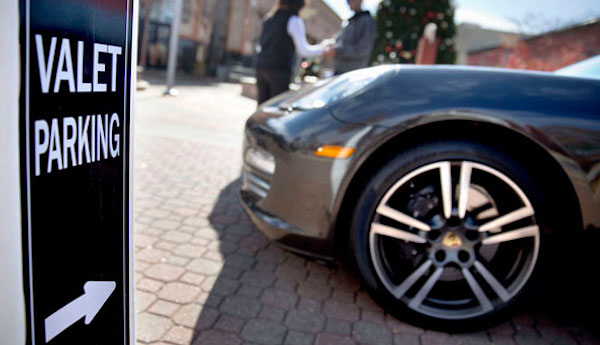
x,y
205,275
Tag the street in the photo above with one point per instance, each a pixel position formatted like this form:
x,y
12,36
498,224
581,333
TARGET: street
x,y
206,275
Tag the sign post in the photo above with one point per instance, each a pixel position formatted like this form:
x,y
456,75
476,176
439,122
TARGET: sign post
x,y
75,163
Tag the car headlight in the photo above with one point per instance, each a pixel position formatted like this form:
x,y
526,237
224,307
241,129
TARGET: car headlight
x,y
339,87
261,160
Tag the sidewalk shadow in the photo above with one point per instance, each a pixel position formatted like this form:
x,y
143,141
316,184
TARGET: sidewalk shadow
x,y
258,293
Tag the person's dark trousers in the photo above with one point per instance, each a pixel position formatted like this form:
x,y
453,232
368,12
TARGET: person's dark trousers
x,y
271,83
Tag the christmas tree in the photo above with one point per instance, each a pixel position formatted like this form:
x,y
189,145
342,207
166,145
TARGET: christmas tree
x,y
400,24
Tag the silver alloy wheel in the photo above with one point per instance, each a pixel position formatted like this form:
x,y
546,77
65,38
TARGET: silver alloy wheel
x,y
455,242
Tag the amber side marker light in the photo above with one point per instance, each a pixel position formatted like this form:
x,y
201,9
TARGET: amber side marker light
x,y
333,151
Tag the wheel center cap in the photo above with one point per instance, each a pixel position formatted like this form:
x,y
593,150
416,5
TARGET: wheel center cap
x,y
451,240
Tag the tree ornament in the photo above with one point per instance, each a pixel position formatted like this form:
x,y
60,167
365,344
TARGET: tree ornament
x,y
400,25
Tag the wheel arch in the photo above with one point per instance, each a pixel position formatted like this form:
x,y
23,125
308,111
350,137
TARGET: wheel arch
x,y
522,147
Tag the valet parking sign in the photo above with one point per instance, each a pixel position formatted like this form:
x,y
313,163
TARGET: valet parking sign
x,y
75,170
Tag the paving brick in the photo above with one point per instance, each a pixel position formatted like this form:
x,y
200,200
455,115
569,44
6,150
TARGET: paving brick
x,y
501,339
179,292
192,278
310,304
264,332
315,291
258,279
164,308
152,255
212,337
164,224
286,284
271,255
279,298
151,327
241,307
149,285
406,339
214,255
477,338
437,338
179,335
304,320
364,301
372,316
342,311
209,300
205,267
143,300
338,327
164,272
188,315
230,324
299,338
166,246
189,250
224,286
289,272
333,339
272,313
144,241
343,295
243,262
370,333
249,291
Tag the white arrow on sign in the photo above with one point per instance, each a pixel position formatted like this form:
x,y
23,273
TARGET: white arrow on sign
x,y
89,304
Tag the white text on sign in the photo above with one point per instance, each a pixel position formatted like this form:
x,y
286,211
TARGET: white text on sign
x,y
75,141
64,67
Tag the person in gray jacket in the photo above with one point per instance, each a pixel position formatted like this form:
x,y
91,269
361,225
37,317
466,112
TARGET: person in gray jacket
x,y
351,48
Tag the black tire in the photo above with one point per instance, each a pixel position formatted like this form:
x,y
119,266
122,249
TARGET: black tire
x,y
397,259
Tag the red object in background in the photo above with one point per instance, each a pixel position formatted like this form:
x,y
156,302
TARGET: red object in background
x,y
388,49
304,64
520,57
546,52
427,51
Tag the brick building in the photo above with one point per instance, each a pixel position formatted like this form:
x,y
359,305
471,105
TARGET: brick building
x,y
549,51
215,33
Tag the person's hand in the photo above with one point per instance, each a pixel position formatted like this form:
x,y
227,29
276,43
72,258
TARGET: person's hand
x,y
329,51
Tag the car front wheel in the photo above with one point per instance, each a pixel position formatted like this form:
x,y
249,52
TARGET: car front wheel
x,y
447,236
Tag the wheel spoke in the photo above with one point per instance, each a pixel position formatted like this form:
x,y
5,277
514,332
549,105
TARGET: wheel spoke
x,y
385,230
492,281
463,192
401,289
528,231
402,218
507,219
446,184
480,209
422,294
485,303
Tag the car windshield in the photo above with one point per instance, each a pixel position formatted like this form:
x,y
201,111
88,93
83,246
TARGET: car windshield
x,y
589,68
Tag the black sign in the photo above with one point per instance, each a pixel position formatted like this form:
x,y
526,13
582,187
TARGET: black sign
x,y
75,138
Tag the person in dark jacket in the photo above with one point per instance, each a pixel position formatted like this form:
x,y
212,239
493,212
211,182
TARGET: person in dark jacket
x,y
351,48
283,35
